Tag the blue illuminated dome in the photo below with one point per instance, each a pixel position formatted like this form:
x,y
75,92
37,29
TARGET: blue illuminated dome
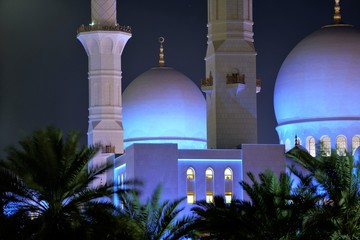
x,y
162,105
317,88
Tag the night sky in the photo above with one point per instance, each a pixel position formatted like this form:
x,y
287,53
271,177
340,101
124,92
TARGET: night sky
x,y
43,67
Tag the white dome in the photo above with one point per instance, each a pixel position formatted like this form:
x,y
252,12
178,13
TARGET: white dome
x,y
317,88
162,105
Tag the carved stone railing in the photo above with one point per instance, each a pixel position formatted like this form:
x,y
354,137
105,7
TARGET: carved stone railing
x,y
235,78
208,82
90,28
258,85
108,149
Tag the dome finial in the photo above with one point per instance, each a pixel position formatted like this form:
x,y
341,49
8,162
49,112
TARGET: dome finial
x,y
161,60
337,15
296,141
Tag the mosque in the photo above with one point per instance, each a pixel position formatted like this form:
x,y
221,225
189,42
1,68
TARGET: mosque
x,y
162,129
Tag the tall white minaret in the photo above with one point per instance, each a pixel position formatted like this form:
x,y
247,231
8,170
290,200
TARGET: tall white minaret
x,y
104,41
230,83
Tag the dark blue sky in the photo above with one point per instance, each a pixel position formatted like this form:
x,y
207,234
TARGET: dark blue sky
x,y
43,67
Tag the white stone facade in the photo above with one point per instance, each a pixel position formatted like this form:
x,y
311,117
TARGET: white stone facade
x,y
166,164
161,159
104,49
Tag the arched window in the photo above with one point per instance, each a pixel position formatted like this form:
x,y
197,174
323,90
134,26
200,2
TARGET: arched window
x,y
287,145
34,215
298,140
310,145
228,174
121,180
190,173
325,146
209,173
356,157
209,178
341,145
355,143
190,176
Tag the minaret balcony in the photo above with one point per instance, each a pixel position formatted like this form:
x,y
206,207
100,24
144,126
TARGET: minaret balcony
x,y
108,149
98,27
235,82
207,85
258,85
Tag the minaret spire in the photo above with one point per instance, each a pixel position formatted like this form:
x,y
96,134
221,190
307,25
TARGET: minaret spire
x,y
161,55
337,15
103,12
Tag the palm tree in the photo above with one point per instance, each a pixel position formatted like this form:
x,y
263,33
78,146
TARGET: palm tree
x,y
155,220
336,178
274,210
219,220
44,182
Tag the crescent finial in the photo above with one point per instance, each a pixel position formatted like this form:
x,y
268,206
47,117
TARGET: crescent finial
x,y
337,15
161,60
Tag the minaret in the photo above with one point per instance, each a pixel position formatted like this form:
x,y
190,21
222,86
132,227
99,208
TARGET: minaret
x,y
104,41
230,83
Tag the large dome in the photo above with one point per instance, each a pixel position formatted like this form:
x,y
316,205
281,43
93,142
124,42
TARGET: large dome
x,y
162,105
317,88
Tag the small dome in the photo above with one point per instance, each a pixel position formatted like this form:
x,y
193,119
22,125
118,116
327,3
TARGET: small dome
x,y
317,87
162,105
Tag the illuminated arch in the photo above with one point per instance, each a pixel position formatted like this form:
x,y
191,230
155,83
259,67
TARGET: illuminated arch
x,y
310,145
190,173
209,173
298,140
190,185
341,145
287,144
355,143
228,175
209,178
325,145
356,156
